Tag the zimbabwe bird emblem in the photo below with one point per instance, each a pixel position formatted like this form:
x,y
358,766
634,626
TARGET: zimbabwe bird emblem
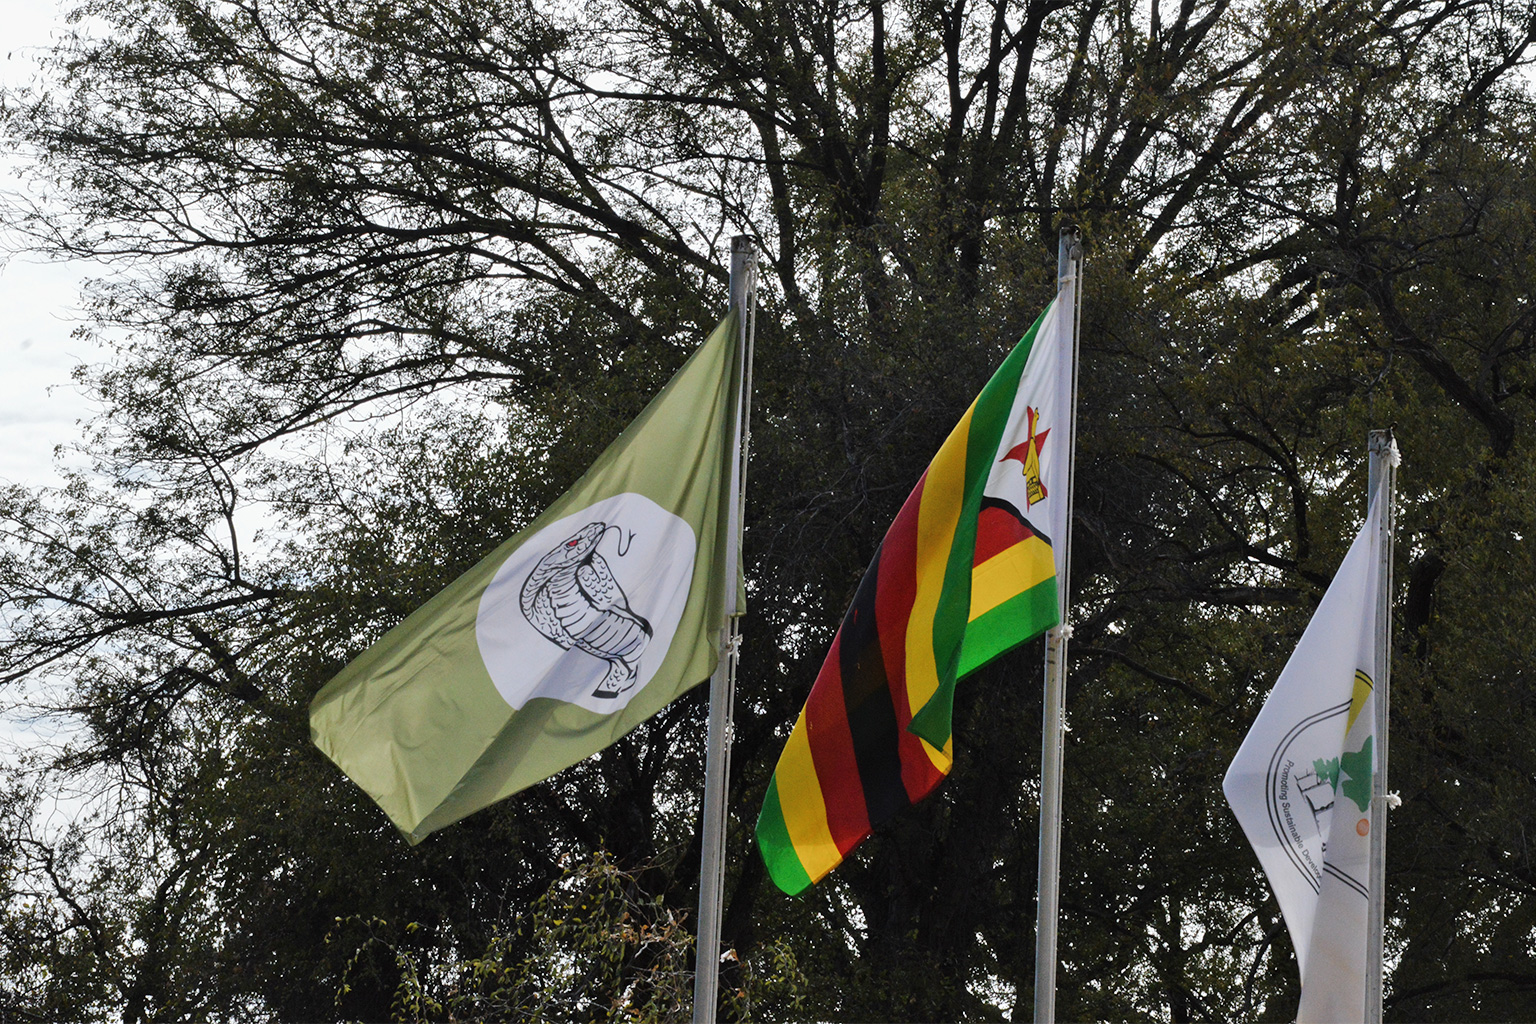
x,y
1028,454
572,598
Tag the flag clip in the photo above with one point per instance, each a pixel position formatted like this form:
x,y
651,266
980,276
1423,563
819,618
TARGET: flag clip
x,y
1394,801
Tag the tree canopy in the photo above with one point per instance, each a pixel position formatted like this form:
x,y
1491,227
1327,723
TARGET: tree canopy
x,y
382,278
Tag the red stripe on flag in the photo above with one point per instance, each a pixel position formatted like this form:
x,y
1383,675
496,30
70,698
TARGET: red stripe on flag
x,y
997,530
831,741
893,612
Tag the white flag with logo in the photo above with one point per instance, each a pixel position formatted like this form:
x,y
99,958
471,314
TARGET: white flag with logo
x,y
1300,786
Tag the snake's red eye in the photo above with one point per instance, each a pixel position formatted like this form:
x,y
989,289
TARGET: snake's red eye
x,y
570,543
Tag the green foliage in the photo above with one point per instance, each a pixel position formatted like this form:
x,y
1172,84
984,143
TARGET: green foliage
x,y
386,277
593,947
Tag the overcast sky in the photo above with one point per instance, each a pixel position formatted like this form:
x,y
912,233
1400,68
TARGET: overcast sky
x,y
39,408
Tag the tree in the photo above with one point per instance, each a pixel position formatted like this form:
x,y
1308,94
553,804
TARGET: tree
x,y
392,274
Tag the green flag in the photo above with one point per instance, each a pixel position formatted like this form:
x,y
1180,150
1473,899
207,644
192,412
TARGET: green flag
x,y
607,607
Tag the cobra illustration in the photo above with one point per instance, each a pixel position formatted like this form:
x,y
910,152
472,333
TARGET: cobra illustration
x,y
572,598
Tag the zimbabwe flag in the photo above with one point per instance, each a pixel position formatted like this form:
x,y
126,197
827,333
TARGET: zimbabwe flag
x,y
967,571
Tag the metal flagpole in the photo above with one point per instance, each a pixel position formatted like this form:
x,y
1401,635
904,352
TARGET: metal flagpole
x,y
1069,264
1382,480
722,685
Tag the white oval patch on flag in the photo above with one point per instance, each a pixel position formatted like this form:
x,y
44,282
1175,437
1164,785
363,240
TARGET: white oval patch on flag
x,y
584,610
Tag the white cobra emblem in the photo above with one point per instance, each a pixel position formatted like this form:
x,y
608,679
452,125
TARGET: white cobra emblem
x,y
572,598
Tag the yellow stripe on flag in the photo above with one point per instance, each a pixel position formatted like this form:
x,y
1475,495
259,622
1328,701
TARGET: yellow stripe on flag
x,y
937,516
800,800
1362,692
1009,573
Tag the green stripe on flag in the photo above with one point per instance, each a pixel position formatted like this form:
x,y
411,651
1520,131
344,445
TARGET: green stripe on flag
x,y
1011,623
778,849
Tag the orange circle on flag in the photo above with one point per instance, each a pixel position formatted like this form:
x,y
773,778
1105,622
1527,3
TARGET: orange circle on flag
x,y
1363,826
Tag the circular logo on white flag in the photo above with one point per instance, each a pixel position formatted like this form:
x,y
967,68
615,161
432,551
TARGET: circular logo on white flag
x,y
584,611
1301,786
